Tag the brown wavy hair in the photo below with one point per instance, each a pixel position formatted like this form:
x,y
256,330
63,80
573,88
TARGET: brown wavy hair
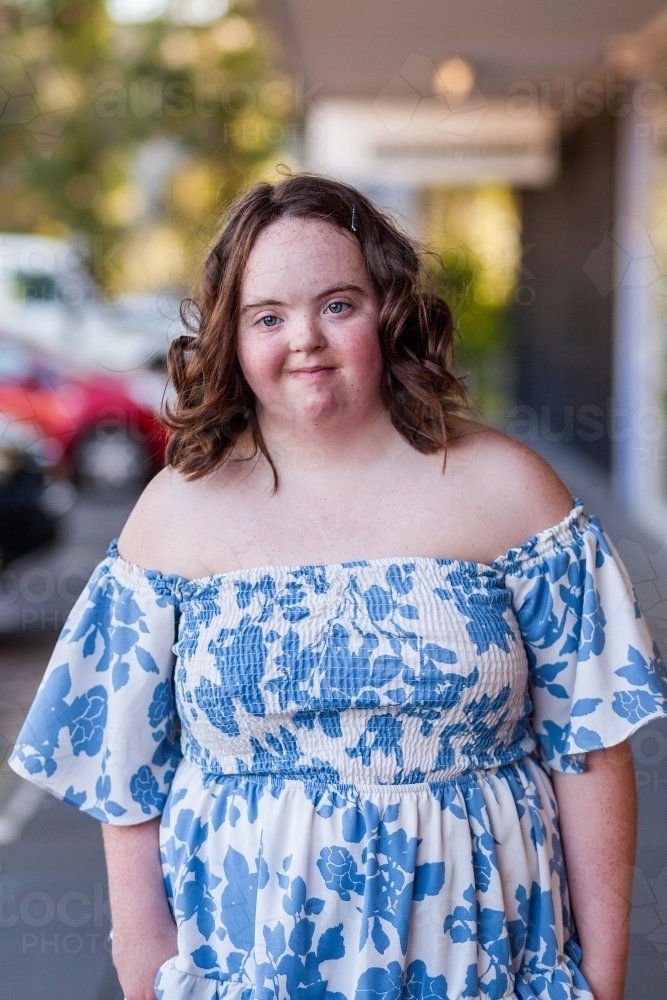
x,y
214,404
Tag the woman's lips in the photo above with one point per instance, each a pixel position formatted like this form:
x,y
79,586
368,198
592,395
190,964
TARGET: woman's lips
x,y
312,373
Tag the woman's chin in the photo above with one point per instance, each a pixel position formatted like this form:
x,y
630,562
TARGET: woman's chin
x,y
316,406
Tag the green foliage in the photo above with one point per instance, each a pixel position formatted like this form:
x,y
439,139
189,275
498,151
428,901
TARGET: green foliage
x,y
97,95
482,326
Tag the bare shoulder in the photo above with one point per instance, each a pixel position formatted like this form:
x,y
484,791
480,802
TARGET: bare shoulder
x,y
513,486
158,530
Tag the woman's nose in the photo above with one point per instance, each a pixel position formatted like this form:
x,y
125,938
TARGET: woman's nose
x,y
307,334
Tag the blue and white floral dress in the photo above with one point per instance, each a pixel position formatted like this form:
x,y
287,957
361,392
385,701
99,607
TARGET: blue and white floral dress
x,y
352,761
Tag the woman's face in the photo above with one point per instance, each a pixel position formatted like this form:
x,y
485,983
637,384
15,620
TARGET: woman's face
x,y
308,328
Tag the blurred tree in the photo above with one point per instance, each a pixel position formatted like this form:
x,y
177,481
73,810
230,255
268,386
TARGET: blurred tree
x,y
133,136
482,329
474,238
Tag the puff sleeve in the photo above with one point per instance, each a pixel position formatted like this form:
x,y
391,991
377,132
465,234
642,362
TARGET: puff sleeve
x,y
102,732
595,674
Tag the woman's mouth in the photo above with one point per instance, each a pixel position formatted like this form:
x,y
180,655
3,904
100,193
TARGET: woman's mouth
x,y
321,371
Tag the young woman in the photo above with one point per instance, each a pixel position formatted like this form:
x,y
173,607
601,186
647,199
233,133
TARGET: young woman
x,y
357,667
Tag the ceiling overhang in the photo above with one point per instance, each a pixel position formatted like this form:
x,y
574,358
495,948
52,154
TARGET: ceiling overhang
x,y
353,48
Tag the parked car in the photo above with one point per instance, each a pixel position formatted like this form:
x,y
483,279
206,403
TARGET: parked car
x,y
48,299
103,428
31,500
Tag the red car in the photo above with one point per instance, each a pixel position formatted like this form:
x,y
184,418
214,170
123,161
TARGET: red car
x,y
103,427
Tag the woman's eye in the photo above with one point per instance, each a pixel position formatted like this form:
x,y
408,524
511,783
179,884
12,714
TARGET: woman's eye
x,y
268,321
337,307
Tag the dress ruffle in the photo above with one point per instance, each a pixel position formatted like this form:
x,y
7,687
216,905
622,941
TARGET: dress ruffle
x,y
595,672
565,980
171,983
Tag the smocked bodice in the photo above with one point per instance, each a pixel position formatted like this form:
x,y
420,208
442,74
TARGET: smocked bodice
x,y
383,671
388,670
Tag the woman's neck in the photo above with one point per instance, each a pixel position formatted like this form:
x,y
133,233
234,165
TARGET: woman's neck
x,y
308,448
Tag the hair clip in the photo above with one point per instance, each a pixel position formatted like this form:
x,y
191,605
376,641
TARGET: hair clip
x,y
352,225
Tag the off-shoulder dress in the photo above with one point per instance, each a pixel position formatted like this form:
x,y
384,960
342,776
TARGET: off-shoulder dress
x,y
351,761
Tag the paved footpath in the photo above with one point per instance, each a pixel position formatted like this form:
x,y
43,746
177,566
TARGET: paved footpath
x,y
54,916
646,559
54,919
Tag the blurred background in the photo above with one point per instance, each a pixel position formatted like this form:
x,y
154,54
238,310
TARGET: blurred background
x,y
523,142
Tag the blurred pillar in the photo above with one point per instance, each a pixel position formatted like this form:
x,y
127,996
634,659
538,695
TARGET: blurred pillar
x,y
564,303
635,415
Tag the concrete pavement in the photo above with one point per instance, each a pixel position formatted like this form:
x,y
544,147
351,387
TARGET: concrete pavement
x,y
646,559
54,918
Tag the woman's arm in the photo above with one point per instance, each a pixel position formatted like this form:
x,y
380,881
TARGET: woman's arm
x,y
598,820
144,932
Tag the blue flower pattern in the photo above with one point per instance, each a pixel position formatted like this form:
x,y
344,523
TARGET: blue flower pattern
x,y
351,762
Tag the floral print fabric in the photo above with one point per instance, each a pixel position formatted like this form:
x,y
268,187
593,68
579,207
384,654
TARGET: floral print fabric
x,y
351,761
